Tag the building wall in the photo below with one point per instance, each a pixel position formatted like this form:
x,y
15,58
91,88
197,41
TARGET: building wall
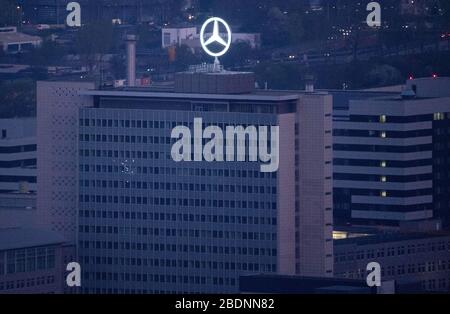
x,y
18,155
57,136
314,186
286,195
36,270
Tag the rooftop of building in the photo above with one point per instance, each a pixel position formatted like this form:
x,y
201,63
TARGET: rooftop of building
x,y
12,68
11,35
19,238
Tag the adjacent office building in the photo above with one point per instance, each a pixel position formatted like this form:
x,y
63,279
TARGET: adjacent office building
x,y
391,156
18,155
416,261
12,41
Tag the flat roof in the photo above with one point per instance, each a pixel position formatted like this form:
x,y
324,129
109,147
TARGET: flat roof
x,y
19,238
256,96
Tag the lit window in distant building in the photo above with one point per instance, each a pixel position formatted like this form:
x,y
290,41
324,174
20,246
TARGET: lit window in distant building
x,y
383,119
383,179
439,116
339,235
383,164
383,194
383,134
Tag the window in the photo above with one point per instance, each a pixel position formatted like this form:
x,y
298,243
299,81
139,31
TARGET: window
x,y
20,261
10,262
40,258
383,119
50,258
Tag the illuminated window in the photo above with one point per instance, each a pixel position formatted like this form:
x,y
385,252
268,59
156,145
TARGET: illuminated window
x,y
383,164
383,194
439,116
383,179
383,119
383,134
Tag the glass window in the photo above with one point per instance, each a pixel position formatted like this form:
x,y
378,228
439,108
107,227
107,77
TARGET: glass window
x,y
2,263
41,258
50,258
11,262
20,261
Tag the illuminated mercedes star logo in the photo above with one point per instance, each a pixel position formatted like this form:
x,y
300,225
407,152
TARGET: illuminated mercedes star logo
x,y
215,37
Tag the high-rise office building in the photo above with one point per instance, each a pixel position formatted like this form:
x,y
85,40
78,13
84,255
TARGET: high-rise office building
x,y
391,156
147,224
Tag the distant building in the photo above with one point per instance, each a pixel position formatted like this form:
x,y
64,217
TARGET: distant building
x,y
417,261
57,136
12,41
32,261
281,284
18,155
175,36
391,156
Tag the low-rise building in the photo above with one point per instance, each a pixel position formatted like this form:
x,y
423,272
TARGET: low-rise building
x,y
12,41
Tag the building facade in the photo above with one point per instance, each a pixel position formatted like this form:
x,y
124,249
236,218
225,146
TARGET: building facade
x,y
415,261
150,225
391,156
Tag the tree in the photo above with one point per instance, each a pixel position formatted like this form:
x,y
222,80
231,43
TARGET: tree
x,y
384,75
49,53
93,41
278,76
118,67
238,54
184,57
276,31
18,99
9,14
